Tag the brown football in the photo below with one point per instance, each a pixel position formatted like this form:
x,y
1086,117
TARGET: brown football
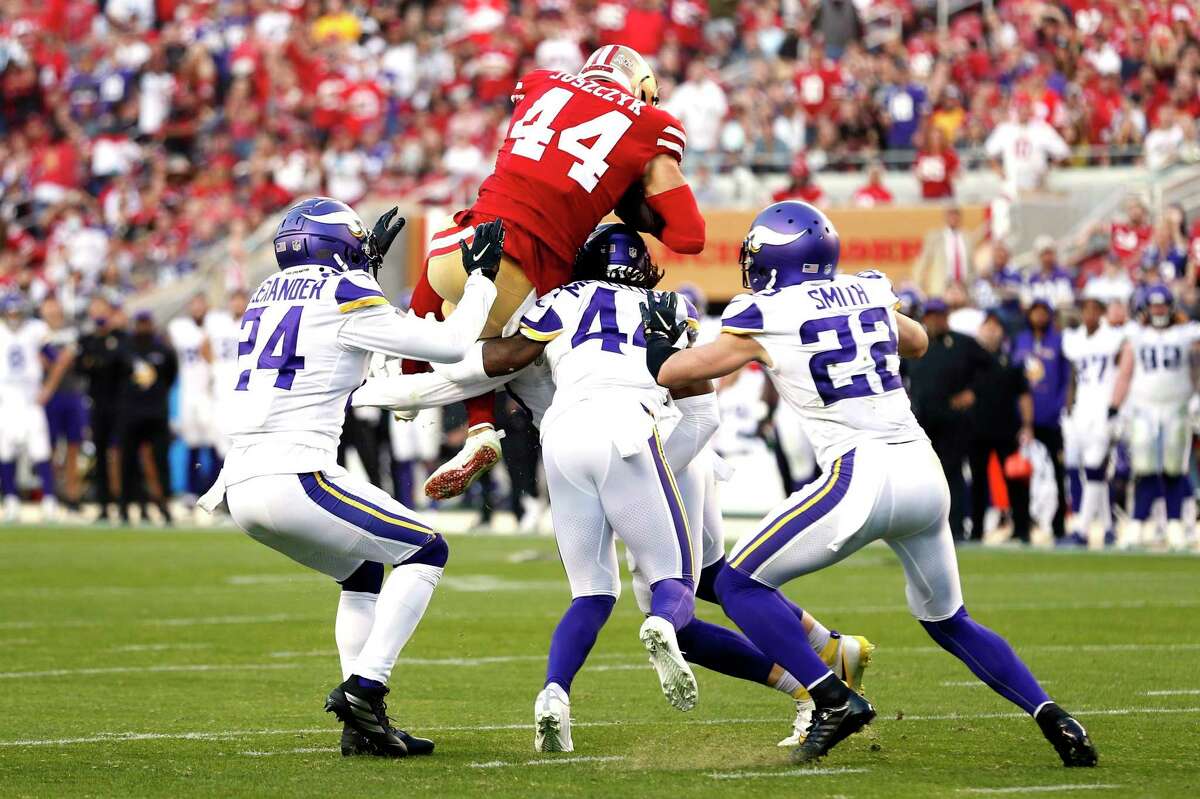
x,y
633,210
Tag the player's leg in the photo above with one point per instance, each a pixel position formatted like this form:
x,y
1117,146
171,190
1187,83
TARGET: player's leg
x,y
642,504
74,422
1177,442
351,627
333,522
586,549
935,599
795,539
37,442
9,445
481,451
1145,463
1095,515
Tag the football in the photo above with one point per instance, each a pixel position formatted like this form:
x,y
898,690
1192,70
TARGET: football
x,y
633,210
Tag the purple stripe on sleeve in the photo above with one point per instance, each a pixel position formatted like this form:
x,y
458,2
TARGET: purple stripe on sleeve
x,y
349,291
749,318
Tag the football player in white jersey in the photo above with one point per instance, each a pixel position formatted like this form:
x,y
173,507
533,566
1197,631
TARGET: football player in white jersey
x,y
1092,348
25,388
221,334
195,422
1155,378
308,336
618,253
832,345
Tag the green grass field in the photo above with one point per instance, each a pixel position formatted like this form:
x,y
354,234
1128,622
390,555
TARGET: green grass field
x,y
151,663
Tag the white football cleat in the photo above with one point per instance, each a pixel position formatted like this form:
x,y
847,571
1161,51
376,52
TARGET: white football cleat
x,y
674,673
12,510
804,711
480,453
552,721
50,514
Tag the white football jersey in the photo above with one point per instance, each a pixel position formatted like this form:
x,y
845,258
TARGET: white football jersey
x,y
223,333
834,359
187,338
21,369
1094,358
1162,357
307,337
596,344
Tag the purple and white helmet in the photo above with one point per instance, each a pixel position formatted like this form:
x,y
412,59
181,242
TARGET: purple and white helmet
x,y
789,243
324,232
1160,295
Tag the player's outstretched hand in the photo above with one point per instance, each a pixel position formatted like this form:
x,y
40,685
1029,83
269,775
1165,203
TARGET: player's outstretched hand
x,y
659,313
383,234
483,255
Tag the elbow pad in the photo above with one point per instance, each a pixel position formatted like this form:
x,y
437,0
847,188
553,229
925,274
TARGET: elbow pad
x,y
683,226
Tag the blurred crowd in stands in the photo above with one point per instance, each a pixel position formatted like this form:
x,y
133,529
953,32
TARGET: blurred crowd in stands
x,y
135,134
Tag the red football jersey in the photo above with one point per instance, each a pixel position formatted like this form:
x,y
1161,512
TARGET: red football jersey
x,y
572,150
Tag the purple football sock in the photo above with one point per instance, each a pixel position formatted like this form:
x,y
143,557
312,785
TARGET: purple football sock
x,y
1075,489
768,621
1145,491
990,658
8,479
403,483
1175,491
45,473
574,637
724,651
674,600
195,475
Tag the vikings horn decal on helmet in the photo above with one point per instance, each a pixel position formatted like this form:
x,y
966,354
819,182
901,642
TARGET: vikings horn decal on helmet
x,y
625,67
789,243
324,232
616,252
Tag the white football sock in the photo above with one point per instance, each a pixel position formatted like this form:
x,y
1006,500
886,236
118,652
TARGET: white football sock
x,y
402,603
787,684
1093,504
818,635
355,615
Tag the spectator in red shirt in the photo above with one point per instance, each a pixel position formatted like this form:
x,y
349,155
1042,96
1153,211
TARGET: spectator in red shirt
x,y
645,27
802,186
874,192
819,82
936,165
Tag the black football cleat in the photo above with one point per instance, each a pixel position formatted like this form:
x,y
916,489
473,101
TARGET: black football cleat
x,y
354,744
831,725
1068,737
364,710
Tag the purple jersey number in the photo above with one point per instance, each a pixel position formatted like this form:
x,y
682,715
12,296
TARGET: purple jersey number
x,y
847,351
280,350
603,306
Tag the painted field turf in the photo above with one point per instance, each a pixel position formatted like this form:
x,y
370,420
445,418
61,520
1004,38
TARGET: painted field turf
x,y
195,664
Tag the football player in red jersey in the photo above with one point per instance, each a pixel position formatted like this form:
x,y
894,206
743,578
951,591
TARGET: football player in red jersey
x,y
579,146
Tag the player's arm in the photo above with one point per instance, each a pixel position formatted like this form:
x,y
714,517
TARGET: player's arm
x,y
445,385
388,332
676,368
505,356
1124,378
912,340
700,416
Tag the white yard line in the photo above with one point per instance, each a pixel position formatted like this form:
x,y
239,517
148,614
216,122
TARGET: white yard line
x,y
1174,692
792,772
1043,788
550,761
156,647
185,621
17,675
977,683
299,750
117,737
1174,647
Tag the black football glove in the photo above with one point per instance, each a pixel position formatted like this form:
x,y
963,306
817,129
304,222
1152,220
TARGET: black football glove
x,y
483,255
382,236
661,328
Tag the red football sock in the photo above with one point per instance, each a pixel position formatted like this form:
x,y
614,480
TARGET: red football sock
x,y
481,409
424,301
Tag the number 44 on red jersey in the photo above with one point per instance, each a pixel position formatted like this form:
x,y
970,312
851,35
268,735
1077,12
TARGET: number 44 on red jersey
x,y
573,149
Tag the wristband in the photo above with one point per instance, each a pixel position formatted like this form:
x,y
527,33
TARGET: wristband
x,y
658,350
